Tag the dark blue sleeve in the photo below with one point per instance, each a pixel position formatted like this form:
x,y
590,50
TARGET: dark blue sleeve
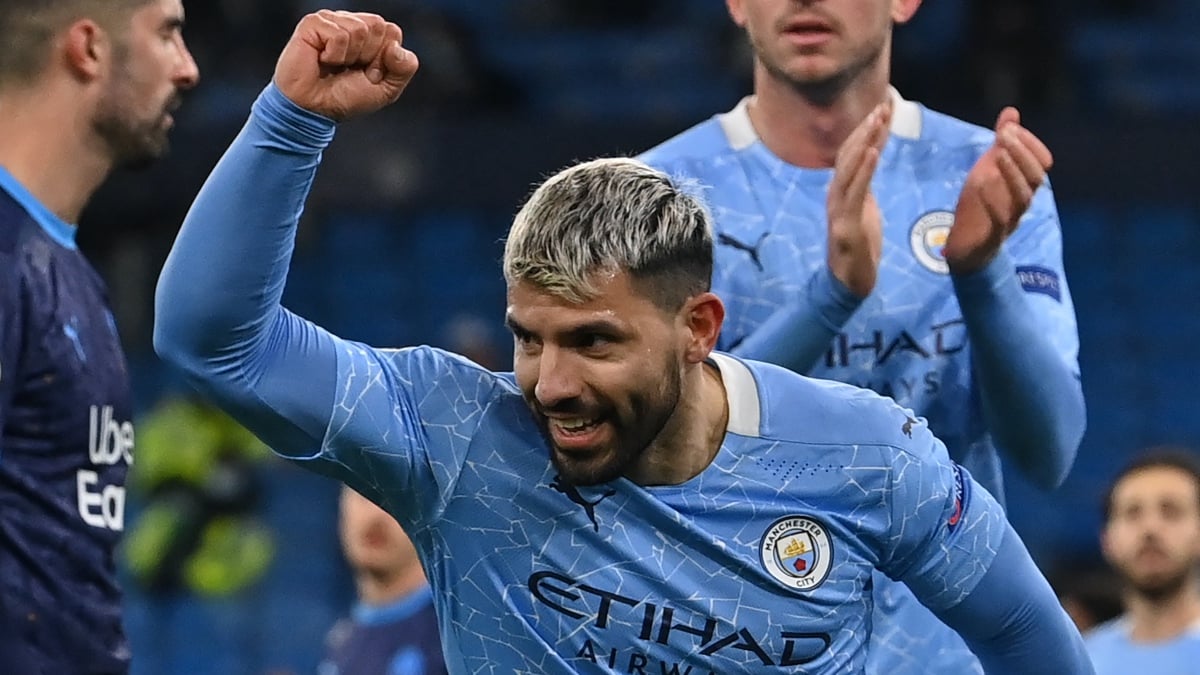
x,y
1031,392
217,307
797,334
1013,621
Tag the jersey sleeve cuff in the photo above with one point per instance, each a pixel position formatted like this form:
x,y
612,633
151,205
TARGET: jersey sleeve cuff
x,y
832,299
999,273
289,125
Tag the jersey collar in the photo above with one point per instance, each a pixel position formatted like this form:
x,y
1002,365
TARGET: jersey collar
x,y
741,391
906,121
59,230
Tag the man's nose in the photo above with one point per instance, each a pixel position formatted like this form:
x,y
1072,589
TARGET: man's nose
x,y
558,379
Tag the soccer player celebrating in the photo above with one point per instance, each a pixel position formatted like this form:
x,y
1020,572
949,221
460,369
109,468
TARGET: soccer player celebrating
x,y
85,86
931,295
1152,538
628,500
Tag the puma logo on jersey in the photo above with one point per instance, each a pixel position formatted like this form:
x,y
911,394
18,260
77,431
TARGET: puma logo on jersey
x,y
726,240
72,334
572,493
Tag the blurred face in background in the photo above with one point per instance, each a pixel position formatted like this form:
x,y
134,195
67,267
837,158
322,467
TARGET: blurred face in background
x,y
374,543
820,43
151,68
1152,537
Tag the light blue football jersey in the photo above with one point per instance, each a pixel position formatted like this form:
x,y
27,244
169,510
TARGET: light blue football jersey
x,y
1114,653
908,339
762,563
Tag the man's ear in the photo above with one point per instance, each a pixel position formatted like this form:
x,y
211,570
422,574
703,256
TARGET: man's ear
x,y
903,10
735,12
86,50
703,315
1105,543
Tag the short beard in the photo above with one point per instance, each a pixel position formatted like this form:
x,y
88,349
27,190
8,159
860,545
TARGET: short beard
x,y
1160,590
130,145
628,451
824,93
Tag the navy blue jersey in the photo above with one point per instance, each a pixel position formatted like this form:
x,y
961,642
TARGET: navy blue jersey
x,y
65,445
396,639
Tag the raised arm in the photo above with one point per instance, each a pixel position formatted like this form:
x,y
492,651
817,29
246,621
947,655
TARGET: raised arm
x,y
1016,305
217,307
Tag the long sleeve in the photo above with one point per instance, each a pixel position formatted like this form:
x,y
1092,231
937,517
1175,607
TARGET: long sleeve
x,y
218,314
797,334
950,543
1013,621
1031,393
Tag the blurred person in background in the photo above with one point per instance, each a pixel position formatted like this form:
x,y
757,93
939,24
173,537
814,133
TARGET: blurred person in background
x,y
86,86
944,291
393,629
1151,537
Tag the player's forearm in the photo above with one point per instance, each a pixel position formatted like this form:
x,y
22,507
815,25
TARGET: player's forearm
x,y
1013,621
217,307
1032,397
797,334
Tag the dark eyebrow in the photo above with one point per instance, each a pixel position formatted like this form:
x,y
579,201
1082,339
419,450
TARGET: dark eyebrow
x,y
173,23
513,326
598,326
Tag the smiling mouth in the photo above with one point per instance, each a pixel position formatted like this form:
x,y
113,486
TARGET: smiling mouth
x,y
573,425
575,434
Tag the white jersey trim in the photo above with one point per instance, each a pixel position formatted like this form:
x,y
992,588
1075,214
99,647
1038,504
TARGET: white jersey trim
x,y
741,391
739,131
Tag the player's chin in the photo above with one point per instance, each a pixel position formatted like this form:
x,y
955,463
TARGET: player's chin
x,y
812,71
150,149
592,468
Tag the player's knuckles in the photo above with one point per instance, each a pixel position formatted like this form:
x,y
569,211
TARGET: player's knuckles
x,y
358,32
375,24
336,36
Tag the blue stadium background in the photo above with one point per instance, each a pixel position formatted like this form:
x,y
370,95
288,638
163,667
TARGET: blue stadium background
x,y
401,240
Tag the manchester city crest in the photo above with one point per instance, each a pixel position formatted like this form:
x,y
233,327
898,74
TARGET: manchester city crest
x,y
797,551
928,238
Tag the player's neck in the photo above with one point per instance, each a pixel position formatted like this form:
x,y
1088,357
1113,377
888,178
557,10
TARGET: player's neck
x,y
1161,619
49,147
691,438
805,129
378,590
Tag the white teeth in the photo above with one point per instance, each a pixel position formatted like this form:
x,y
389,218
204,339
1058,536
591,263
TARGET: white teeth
x,y
574,424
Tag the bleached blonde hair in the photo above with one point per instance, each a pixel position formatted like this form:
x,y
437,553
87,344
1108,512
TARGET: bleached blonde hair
x,y
608,216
